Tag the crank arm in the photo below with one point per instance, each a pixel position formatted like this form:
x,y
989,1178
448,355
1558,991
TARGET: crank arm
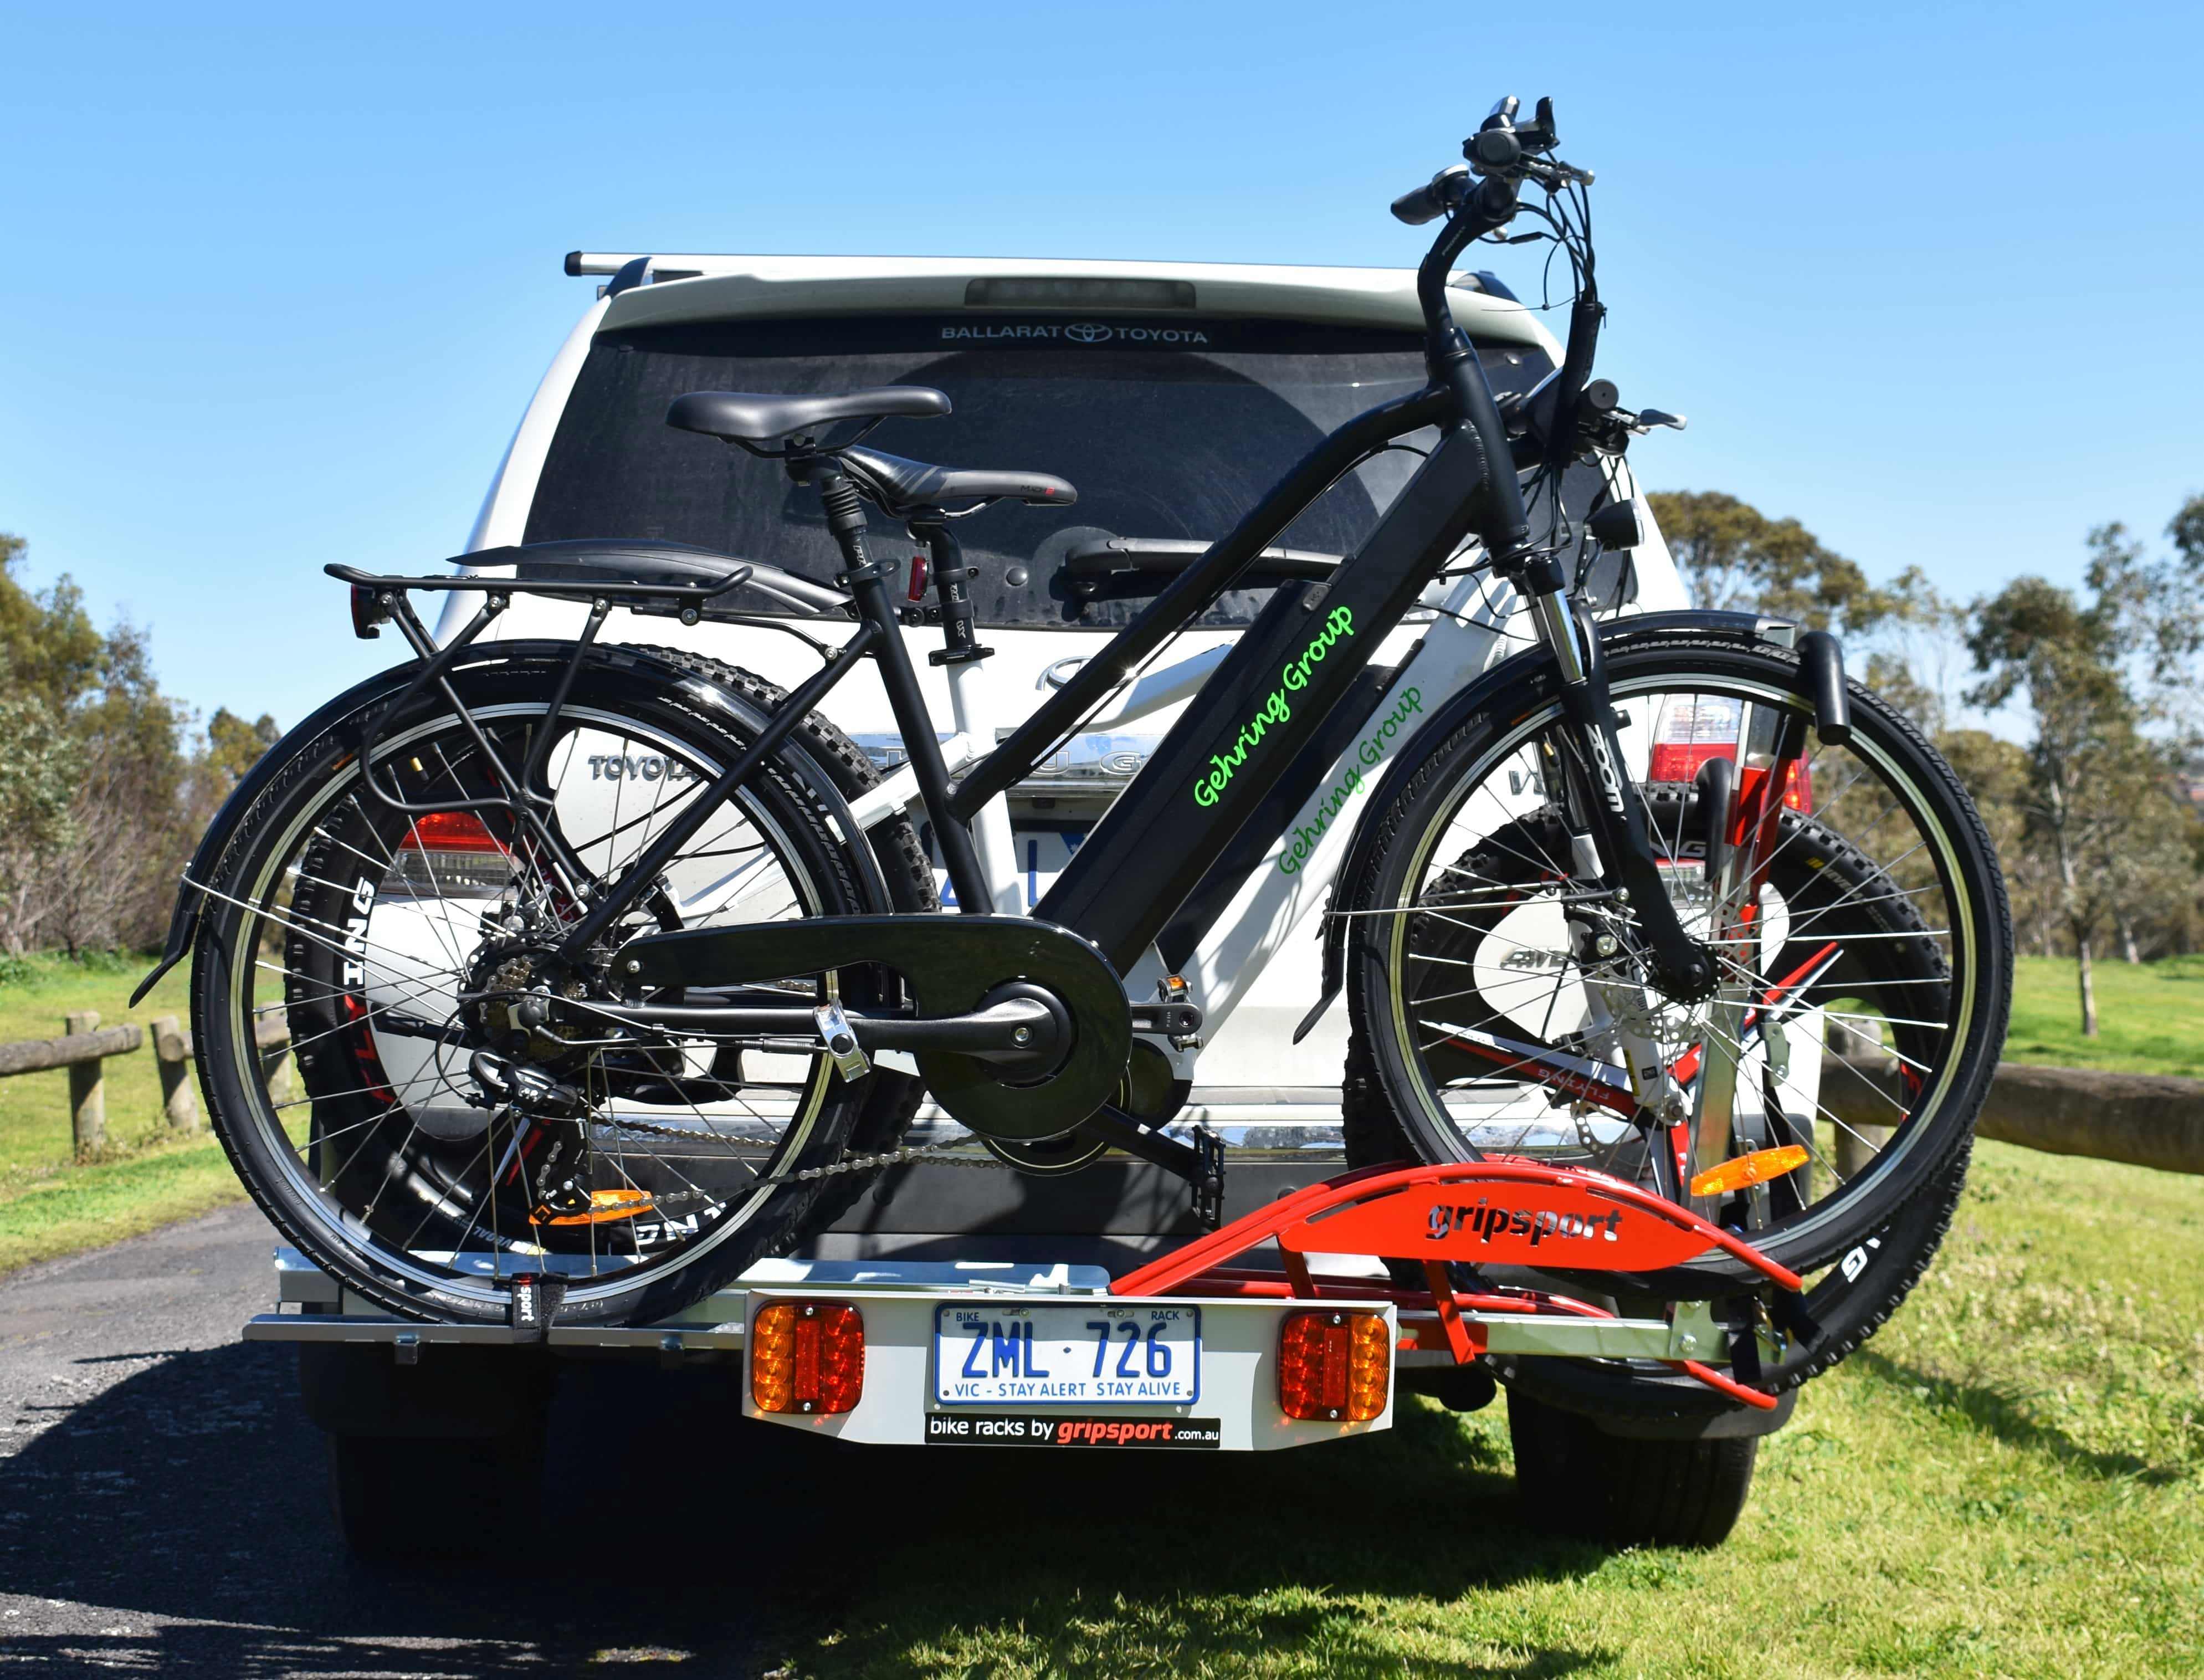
x,y
1013,1031
1200,1163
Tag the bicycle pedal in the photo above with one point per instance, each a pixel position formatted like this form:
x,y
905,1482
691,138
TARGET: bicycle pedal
x,y
599,1207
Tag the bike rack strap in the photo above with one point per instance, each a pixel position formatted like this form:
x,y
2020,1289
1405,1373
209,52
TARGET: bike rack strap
x,y
1556,1219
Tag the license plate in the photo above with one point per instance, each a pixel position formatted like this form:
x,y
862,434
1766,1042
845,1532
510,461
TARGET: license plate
x,y
1098,1354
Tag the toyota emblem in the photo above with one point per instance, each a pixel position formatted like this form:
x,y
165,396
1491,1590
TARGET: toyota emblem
x,y
1088,332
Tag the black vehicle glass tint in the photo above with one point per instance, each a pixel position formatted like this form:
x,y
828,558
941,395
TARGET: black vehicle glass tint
x,y
1170,428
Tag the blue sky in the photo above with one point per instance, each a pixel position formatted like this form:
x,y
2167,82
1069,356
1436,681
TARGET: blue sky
x,y
278,281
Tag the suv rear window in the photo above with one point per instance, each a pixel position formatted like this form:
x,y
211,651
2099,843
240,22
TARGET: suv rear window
x,y
1170,427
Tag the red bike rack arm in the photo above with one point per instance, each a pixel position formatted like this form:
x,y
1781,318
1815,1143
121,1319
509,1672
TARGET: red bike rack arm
x,y
1559,1218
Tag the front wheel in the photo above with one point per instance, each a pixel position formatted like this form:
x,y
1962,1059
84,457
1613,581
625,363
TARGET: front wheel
x,y
1501,992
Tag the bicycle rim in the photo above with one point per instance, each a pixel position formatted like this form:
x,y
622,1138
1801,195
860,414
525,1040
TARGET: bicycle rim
x,y
1523,1059
400,953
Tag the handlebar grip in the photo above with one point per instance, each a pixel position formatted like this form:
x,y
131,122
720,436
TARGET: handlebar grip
x,y
1433,199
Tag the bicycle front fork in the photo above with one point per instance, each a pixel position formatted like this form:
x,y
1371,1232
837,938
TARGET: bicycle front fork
x,y
1608,833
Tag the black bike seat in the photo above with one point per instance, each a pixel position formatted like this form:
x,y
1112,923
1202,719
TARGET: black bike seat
x,y
756,419
901,486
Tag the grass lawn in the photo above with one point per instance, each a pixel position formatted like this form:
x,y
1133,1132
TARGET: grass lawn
x,y
2150,1017
149,1175
2006,1481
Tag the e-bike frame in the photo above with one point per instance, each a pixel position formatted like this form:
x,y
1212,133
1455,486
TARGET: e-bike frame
x,y
1207,787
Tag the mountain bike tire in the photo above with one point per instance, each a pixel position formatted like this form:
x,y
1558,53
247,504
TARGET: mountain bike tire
x,y
1389,1104
695,713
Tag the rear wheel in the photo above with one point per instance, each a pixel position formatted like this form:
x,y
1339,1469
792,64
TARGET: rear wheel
x,y
394,945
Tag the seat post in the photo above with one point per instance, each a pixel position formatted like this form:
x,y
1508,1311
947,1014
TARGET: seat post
x,y
866,582
970,699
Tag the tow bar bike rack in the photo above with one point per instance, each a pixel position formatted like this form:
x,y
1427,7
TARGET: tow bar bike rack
x,y
1279,1356
1554,1219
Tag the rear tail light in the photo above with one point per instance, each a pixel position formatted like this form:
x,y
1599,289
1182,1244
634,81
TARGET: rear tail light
x,y
368,611
449,854
1334,1367
807,1358
1694,728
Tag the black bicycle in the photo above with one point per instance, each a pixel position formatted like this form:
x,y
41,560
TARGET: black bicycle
x,y
621,966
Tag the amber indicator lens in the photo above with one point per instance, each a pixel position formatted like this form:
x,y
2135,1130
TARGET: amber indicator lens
x,y
808,1358
1334,1367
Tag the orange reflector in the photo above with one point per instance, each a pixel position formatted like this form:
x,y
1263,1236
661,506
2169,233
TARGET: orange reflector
x,y
806,1357
606,1205
1756,1168
1334,1367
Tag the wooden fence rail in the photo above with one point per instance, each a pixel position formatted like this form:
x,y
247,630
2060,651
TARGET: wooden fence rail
x,y
84,1046
2145,1120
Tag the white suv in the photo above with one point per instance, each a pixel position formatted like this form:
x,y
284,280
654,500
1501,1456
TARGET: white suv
x,y
1172,394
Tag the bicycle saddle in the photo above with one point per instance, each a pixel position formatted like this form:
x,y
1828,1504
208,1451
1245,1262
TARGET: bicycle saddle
x,y
902,486
748,417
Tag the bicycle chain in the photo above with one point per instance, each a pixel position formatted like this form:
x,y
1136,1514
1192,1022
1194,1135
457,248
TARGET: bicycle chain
x,y
832,1169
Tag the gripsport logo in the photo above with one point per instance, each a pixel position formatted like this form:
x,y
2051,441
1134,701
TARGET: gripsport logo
x,y
1538,1224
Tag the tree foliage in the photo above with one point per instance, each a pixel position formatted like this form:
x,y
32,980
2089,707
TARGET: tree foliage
x,y
102,790
2088,816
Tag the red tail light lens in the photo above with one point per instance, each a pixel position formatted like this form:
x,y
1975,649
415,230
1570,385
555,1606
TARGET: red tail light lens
x,y
1334,1367
449,854
808,1358
450,831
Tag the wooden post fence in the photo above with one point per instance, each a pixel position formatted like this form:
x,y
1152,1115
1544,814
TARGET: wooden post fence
x,y
180,1091
84,1046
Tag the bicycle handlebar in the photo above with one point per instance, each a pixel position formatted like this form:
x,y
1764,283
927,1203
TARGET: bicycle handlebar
x,y
1479,197
1436,197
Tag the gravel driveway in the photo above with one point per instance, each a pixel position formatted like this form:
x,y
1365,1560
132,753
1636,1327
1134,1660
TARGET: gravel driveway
x,y
162,1501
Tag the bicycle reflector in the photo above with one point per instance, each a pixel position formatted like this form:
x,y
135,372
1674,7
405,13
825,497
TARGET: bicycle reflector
x,y
1334,1367
1756,1168
808,1356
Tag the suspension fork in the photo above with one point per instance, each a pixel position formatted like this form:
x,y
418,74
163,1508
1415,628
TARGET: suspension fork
x,y
1614,844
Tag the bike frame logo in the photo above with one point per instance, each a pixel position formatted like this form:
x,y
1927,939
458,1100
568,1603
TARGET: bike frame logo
x,y
1276,709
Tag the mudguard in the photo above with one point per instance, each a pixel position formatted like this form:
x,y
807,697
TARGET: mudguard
x,y
1614,634
206,857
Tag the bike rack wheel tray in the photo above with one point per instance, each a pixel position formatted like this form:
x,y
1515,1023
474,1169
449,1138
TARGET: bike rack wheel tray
x,y
1498,1212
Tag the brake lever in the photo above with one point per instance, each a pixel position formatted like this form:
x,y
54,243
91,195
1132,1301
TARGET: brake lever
x,y
1552,173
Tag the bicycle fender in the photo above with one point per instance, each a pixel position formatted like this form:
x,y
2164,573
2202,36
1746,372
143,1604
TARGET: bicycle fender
x,y
191,902
184,920
1614,635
